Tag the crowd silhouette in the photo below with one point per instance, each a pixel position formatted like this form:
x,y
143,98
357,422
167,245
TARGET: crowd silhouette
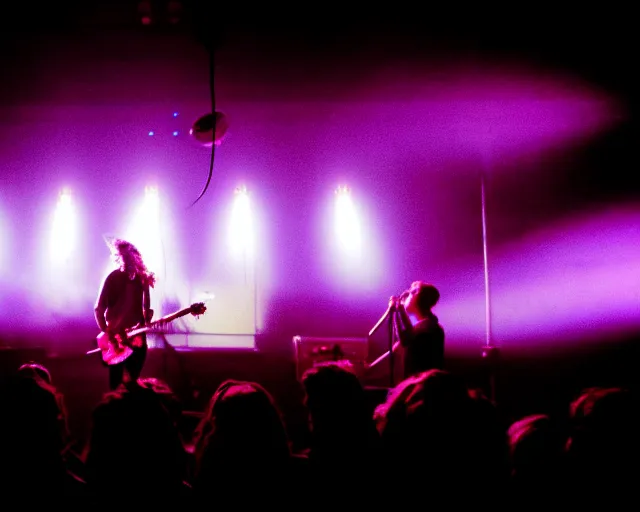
x,y
432,442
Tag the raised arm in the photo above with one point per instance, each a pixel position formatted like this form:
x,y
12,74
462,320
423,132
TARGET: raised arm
x,y
402,324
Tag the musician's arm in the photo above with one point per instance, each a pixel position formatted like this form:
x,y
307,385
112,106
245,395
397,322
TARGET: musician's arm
x,y
403,325
101,306
99,312
396,336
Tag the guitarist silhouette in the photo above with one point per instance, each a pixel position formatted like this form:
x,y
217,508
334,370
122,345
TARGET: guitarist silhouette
x,y
123,304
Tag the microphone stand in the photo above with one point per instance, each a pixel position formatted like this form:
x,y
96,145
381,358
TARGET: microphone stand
x,y
389,316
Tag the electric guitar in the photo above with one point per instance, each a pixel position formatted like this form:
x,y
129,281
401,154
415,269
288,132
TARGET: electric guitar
x,y
115,349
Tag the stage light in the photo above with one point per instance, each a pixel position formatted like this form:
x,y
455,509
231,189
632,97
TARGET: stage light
x,y
152,12
174,12
343,190
145,12
210,129
151,195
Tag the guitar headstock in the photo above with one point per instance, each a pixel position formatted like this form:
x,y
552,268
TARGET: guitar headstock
x,y
197,308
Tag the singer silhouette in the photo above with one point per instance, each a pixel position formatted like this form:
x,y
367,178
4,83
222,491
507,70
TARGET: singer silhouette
x,y
418,330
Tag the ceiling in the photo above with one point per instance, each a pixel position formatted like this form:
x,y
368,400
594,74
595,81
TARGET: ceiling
x,y
596,43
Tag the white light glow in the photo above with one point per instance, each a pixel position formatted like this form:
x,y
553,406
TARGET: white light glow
x,y
63,237
4,245
241,233
347,224
144,232
572,281
353,257
62,266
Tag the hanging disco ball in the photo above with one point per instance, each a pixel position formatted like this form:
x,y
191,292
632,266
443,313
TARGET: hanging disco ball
x,y
210,129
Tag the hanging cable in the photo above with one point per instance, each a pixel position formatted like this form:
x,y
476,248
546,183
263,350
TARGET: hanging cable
x,y
215,119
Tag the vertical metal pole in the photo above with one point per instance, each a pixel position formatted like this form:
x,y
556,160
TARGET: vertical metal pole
x,y
489,351
487,300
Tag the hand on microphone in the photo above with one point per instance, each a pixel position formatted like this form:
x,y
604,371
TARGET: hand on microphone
x,y
396,302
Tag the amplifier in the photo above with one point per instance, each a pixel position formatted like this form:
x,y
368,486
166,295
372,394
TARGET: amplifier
x,y
311,351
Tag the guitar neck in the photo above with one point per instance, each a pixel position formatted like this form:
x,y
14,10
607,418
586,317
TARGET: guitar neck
x,y
164,320
171,317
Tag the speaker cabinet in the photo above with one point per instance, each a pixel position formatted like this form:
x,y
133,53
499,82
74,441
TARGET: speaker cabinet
x,y
311,351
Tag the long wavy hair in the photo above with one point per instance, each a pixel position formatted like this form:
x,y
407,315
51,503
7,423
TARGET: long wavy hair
x,y
131,261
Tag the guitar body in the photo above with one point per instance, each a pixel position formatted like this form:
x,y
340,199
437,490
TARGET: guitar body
x,y
114,351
